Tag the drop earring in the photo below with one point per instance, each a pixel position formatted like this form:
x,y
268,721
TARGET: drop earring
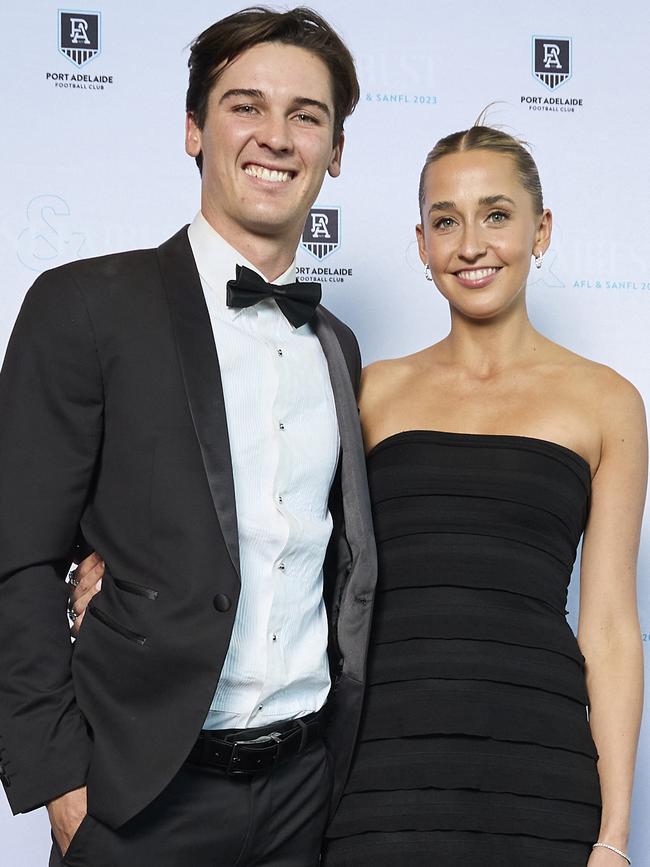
x,y
538,259
427,273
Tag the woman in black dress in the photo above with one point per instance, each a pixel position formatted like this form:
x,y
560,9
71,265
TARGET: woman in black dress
x,y
491,736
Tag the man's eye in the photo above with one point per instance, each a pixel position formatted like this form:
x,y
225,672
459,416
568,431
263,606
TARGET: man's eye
x,y
444,223
244,109
306,118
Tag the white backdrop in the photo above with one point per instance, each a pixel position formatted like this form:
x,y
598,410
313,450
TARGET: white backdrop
x,y
100,167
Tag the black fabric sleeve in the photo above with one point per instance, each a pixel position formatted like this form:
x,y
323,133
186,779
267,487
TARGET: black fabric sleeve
x,y
51,419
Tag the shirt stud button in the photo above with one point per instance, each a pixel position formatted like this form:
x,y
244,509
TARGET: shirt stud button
x,y
280,353
281,567
281,426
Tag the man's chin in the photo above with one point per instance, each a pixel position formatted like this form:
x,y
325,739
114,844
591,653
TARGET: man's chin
x,y
276,225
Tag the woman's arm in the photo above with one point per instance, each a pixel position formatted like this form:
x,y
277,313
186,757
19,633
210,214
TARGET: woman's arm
x,y
608,629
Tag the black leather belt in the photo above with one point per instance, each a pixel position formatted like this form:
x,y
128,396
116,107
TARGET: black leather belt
x,y
254,751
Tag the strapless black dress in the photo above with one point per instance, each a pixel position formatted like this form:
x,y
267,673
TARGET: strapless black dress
x,y
475,747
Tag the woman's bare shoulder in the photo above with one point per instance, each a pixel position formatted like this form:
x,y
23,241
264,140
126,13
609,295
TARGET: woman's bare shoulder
x,y
385,386
381,374
611,398
600,380
392,373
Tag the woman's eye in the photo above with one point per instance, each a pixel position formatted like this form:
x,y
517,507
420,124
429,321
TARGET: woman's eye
x,y
498,217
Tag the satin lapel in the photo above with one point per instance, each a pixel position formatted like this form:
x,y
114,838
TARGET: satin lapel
x,y
202,377
356,501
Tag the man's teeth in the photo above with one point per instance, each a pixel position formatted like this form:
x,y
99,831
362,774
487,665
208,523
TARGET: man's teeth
x,y
478,274
267,174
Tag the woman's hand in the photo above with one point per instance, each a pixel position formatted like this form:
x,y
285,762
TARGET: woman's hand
x,y
85,581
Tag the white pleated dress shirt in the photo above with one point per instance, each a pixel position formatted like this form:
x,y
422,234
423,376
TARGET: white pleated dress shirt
x,y
284,443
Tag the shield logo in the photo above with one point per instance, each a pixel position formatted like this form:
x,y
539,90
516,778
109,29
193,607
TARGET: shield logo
x,y
79,35
552,60
322,232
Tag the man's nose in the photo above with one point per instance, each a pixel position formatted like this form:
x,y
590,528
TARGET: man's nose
x,y
274,132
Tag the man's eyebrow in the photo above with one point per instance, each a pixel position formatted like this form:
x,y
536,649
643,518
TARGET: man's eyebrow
x,y
442,206
307,102
247,92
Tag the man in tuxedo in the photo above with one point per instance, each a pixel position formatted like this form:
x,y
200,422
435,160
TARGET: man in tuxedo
x,y
192,410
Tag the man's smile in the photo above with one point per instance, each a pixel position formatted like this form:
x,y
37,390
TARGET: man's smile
x,y
263,173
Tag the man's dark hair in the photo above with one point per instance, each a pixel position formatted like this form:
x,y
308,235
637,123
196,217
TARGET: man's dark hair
x,y
225,40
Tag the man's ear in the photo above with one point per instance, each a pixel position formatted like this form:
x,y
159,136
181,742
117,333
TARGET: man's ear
x,y
192,136
334,168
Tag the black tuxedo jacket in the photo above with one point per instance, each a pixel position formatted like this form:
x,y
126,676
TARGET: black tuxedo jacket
x,y
112,420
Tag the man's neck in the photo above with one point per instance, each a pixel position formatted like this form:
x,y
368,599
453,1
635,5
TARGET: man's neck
x,y
271,255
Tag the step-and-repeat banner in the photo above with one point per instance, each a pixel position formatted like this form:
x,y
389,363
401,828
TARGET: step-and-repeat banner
x,y
93,162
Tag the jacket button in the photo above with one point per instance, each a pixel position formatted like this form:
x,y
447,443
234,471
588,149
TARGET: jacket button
x,y
222,602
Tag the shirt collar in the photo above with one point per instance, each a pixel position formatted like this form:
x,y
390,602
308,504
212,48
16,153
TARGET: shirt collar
x,y
216,261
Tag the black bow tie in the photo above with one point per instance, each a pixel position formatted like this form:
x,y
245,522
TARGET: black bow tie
x,y
297,301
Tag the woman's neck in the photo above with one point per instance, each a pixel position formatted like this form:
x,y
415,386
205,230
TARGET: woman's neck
x,y
485,348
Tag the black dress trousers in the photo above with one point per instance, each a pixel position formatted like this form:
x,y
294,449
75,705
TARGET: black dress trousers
x,y
206,818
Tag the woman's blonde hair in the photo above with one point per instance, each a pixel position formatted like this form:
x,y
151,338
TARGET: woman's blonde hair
x,y
480,137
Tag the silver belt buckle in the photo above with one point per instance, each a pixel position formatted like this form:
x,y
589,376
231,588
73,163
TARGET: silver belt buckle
x,y
242,761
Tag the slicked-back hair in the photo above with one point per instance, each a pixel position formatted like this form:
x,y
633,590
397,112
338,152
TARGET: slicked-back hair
x,y
480,137
225,40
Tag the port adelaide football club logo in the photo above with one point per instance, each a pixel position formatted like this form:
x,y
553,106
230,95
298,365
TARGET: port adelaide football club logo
x,y
321,236
551,61
79,36
552,66
79,40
